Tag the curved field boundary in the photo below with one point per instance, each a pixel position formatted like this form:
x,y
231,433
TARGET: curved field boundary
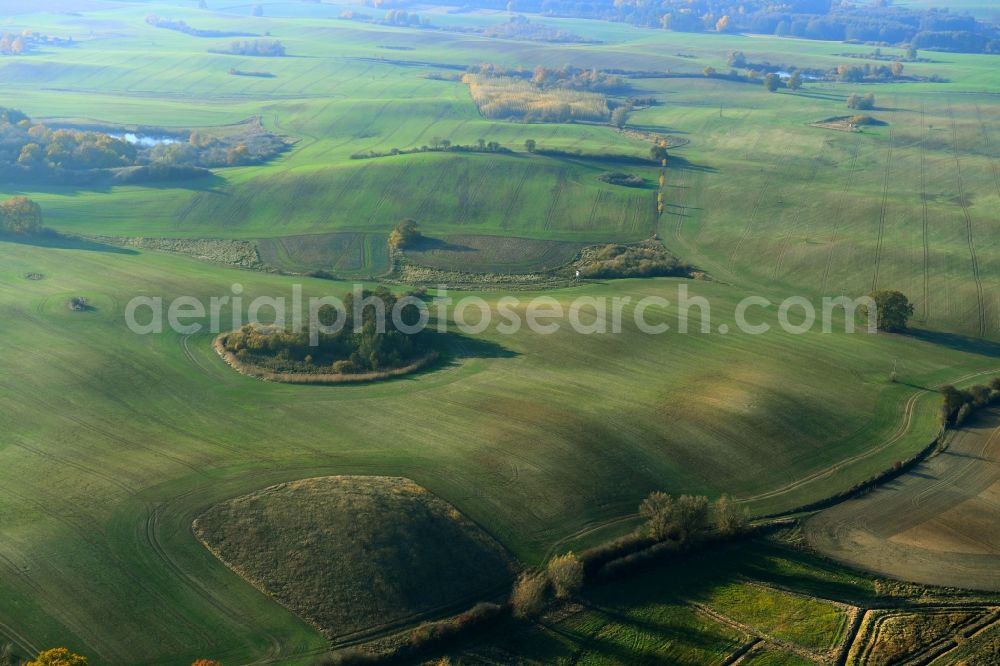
x,y
901,430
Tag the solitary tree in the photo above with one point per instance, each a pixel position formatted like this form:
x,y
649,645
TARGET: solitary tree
x,y
730,518
528,598
566,575
897,69
709,72
619,117
20,215
406,233
893,310
58,657
675,518
721,24
737,59
771,82
658,153
529,145
795,80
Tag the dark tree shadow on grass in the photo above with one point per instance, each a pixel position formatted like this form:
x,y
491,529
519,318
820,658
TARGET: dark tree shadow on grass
x,y
455,346
679,162
956,342
57,241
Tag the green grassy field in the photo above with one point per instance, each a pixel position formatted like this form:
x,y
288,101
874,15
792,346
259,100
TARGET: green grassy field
x,y
114,443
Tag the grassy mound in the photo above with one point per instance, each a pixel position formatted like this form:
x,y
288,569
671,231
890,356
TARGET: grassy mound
x,y
351,553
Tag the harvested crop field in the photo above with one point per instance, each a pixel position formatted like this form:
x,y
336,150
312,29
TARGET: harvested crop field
x,y
939,524
495,254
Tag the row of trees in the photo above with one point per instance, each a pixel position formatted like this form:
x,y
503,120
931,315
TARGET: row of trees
x,y
266,48
675,522
958,404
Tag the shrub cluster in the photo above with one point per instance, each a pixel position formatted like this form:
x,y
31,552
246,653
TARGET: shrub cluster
x,y
859,103
264,48
623,179
958,404
544,98
181,26
625,261
438,145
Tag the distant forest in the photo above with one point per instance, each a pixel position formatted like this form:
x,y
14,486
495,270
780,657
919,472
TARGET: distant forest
x,y
875,21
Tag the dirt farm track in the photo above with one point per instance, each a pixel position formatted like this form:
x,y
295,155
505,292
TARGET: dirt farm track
x,y
938,524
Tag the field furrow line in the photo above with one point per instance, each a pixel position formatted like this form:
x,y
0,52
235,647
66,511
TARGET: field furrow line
x,y
880,238
474,190
748,229
837,214
60,460
556,196
968,227
989,150
925,219
787,240
514,196
431,193
593,208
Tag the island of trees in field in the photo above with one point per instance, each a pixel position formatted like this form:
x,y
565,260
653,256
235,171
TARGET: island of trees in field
x,y
370,345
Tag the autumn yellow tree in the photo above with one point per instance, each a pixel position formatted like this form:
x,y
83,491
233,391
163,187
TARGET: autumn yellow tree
x,y
721,24
566,574
20,215
207,662
58,657
406,233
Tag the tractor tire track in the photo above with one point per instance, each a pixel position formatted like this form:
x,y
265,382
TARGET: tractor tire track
x,y
925,219
968,227
748,229
514,196
880,238
787,241
837,215
989,150
896,435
